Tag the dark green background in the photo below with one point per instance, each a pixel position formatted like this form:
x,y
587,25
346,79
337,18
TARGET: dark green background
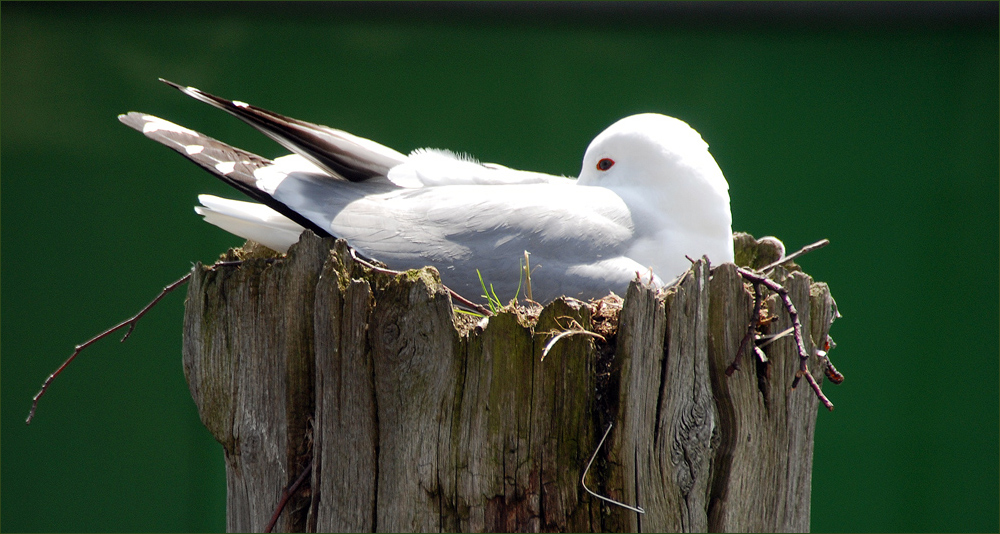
x,y
873,126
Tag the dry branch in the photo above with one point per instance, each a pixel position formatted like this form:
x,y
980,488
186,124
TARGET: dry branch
x,y
130,323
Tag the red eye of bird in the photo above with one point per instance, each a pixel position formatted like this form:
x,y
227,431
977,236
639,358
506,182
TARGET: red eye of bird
x,y
605,164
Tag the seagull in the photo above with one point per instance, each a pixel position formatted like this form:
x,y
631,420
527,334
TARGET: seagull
x,y
649,196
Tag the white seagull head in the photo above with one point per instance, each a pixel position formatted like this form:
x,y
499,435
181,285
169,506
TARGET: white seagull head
x,y
676,194
650,149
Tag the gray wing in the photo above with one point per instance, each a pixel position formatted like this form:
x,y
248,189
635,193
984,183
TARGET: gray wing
x,y
577,236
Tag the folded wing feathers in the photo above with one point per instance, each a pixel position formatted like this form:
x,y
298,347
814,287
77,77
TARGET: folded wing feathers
x,y
341,157
230,164
429,167
340,153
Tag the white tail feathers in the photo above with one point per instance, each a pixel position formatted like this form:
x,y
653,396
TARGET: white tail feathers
x,y
250,220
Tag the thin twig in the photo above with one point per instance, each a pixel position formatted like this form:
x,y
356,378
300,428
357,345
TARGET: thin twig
x,y
583,479
819,392
799,343
454,295
287,494
241,262
806,249
767,340
131,322
751,329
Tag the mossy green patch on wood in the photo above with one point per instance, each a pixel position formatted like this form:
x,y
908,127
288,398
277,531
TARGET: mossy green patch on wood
x,y
754,253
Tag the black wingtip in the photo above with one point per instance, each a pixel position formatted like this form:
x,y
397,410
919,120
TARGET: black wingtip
x,y
321,145
171,84
193,92
208,98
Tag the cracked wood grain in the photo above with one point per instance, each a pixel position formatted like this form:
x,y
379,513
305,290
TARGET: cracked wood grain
x,y
415,423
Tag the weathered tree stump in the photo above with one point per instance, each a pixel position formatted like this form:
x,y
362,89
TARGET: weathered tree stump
x,y
416,421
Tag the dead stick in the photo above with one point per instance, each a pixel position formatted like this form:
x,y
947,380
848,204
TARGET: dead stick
x,y
806,249
131,322
819,392
754,321
799,342
287,494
